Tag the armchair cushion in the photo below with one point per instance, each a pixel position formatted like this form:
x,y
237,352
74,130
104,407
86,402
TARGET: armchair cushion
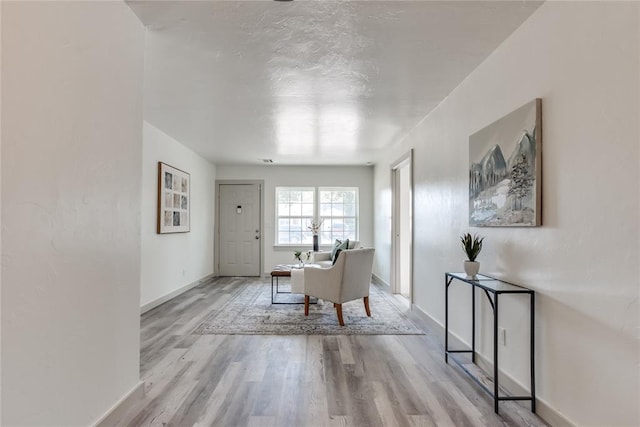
x,y
321,257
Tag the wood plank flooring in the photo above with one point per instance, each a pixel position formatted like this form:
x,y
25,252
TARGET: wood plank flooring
x,y
253,380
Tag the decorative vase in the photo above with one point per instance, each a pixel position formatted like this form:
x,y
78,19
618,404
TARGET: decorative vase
x,y
315,243
471,268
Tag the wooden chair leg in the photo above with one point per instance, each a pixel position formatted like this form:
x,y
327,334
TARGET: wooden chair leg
x,y
339,311
306,305
366,306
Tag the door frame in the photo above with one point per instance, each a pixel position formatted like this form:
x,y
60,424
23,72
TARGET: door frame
x,y
216,222
404,160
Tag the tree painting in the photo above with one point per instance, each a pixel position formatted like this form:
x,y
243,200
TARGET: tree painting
x,y
505,170
521,181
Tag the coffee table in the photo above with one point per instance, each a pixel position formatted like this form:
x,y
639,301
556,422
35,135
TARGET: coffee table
x,y
284,270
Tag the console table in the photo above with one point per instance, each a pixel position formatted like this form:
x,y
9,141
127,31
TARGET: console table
x,y
491,287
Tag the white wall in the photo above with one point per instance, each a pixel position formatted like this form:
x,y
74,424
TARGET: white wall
x,y
582,60
72,149
172,261
312,176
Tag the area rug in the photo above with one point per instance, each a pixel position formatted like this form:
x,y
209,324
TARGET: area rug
x,y
250,312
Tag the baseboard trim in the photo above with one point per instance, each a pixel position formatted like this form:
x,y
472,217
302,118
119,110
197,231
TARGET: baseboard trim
x,y
153,304
514,387
114,415
434,326
378,280
543,409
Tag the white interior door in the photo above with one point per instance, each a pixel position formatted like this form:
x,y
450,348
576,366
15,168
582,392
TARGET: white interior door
x,y
239,229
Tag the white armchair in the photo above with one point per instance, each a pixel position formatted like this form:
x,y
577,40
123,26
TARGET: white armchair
x,y
348,279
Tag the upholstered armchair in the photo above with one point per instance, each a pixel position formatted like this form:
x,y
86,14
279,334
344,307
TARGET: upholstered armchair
x,y
348,279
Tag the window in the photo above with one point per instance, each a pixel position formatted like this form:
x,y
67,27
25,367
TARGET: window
x,y
297,207
339,214
295,211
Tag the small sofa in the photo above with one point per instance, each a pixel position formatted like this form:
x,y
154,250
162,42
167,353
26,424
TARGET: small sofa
x,y
323,258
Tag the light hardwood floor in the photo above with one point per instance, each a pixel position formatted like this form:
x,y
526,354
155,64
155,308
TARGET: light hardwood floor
x,y
253,380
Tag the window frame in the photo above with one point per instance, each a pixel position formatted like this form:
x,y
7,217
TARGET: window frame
x,y
301,217
316,213
355,217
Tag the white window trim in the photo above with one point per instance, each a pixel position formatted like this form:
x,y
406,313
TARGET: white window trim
x,y
357,215
277,216
316,210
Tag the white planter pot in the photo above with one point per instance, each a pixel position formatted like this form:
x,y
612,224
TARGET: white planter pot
x,y
471,268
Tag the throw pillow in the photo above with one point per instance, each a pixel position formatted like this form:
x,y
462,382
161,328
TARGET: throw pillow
x,y
335,248
342,246
335,258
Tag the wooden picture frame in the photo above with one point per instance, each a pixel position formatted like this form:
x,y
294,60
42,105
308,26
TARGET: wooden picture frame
x,y
174,200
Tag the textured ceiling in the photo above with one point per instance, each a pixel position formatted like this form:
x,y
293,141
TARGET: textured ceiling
x,y
309,82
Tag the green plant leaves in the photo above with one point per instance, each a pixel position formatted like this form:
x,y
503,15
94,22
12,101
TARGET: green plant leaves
x,y
472,245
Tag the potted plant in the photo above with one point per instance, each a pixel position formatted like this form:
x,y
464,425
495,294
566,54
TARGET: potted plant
x,y
472,245
301,257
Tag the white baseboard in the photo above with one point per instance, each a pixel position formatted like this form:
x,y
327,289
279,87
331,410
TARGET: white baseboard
x,y
153,304
543,409
439,327
379,281
114,415
514,387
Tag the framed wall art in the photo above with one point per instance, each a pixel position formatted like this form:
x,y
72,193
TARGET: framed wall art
x,y
174,199
505,170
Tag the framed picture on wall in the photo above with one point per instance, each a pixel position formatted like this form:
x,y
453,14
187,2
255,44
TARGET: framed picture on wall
x,y
174,201
505,170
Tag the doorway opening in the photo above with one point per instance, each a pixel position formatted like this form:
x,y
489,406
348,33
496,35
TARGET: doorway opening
x,y
402,226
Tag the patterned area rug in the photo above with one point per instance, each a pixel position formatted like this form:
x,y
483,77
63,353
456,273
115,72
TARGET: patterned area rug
x,y
250,312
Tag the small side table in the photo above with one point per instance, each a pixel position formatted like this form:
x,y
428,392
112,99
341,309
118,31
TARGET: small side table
x,y
495,287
